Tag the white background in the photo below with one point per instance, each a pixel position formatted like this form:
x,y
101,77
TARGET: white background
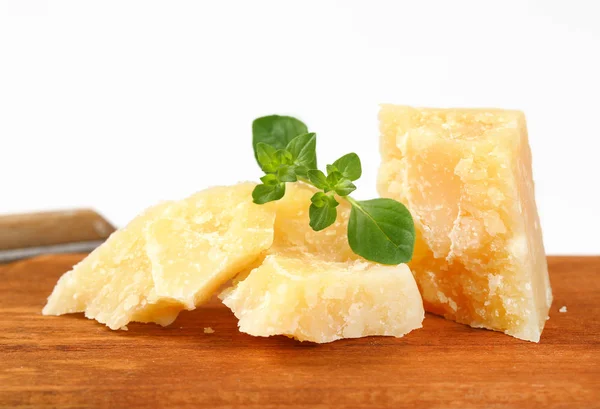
x,y
118,104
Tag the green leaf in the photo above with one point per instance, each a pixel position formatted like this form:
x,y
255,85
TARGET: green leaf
x,y
284,157
348,165
286,174
338,182
319,199
381,230
268,193
322,211
266,157
334,178
344,187
303,150
270,179
318,179
276,131
302,171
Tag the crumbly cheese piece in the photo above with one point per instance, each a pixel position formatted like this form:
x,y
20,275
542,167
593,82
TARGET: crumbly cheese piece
x,y
315,300
466,177
294,236
172,257
314,288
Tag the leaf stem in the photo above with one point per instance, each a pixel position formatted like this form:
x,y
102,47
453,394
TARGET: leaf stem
x,y
352,201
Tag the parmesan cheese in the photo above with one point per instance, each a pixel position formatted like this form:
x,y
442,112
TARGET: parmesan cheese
x,y
466,177
172,257
312,287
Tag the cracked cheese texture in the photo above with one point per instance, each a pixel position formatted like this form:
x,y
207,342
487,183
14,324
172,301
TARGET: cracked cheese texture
x,y
173,256
466,177
312,287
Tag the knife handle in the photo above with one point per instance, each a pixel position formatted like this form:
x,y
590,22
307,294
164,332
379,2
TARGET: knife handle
x,y
20,231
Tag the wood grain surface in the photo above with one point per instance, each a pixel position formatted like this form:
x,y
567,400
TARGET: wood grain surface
x,y
72,362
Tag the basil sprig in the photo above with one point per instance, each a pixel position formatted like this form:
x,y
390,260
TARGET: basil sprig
x,y
379,230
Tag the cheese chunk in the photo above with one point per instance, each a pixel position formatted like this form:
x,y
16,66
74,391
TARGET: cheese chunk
x,y
172,257
315,300
294,236
314,288
466,177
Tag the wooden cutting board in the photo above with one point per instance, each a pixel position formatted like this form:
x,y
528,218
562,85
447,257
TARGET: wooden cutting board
x,y
72,362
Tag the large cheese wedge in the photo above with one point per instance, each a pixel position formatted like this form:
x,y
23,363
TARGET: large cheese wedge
x,y
466,177
314,288
172,257
311,299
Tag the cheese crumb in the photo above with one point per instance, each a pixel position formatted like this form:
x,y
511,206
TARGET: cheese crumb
x,y
208,330
563,309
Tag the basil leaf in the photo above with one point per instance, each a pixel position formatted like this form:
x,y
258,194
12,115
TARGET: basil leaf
x,y
348,165
319,199
276,131
268,193
322,212
344,187
303,150
334,178
381,230
286,174
284,157
270,179
266,157
302,171
318,179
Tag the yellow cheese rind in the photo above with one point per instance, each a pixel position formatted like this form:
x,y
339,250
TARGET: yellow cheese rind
x,y
321,301
170,258
466,177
